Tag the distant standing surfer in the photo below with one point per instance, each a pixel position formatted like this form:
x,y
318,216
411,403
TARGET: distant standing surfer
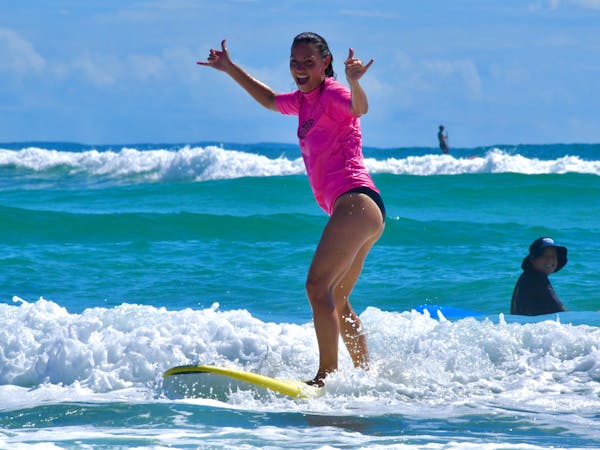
x,y
331,143
443,139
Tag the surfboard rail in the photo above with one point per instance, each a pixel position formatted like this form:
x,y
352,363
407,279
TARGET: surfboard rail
x,y
291,388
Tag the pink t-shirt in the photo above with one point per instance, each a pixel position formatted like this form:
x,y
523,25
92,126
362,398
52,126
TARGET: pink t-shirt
x,y
330,140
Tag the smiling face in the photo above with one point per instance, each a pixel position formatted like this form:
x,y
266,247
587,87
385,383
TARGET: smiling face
x,y
307,67
546,262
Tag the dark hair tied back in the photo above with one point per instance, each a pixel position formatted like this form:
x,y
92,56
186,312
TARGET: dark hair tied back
x,y
321,45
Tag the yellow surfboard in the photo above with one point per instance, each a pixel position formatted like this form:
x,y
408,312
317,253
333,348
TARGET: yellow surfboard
x,y
208,383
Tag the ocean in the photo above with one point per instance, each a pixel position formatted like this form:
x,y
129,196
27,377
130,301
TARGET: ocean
x,y
120,261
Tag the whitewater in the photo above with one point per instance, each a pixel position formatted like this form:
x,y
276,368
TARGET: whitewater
x,y
215,162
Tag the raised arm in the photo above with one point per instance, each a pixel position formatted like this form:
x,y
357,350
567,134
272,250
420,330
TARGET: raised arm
x,y
220,60
355,69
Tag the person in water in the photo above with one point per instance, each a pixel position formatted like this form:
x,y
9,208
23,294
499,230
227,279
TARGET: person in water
x,y
331,144
443,140
533,294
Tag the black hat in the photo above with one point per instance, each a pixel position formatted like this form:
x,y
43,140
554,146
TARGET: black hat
x,y
537,248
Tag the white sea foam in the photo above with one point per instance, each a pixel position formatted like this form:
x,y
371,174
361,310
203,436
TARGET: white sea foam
x,y
212,162
187,163
49,354
493,161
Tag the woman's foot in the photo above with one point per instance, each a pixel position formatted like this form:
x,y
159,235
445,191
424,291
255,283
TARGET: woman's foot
x,y
316,382
319,379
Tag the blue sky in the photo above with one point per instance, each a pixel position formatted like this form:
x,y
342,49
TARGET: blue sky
x,y
116,72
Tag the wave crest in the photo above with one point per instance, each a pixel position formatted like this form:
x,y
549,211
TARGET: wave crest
x,y
493,161
204,163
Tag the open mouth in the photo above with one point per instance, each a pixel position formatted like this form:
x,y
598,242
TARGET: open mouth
x,y
301,79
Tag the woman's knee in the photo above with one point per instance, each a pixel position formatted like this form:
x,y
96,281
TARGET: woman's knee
x,y
319,295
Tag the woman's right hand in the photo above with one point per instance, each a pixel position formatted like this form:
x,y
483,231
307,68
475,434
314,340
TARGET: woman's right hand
x,y
259,91
218,59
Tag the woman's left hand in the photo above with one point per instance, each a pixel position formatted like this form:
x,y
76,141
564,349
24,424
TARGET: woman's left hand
x,y
354,67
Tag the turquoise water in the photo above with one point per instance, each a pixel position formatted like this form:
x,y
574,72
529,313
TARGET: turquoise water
x,y
118,262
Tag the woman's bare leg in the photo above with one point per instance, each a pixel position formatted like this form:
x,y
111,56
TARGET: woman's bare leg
x,y
354,226
350,325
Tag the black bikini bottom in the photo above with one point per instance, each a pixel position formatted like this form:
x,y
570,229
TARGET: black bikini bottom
x,y
371,193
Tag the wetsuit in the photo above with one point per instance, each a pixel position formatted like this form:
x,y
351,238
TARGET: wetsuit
x,y
533,294
443,144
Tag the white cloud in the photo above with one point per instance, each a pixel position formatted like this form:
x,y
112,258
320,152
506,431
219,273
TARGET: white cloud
x,y
512,75
591,4
431,76
464,69
145,67
106,70
555,4
368,13
17,55
97,70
